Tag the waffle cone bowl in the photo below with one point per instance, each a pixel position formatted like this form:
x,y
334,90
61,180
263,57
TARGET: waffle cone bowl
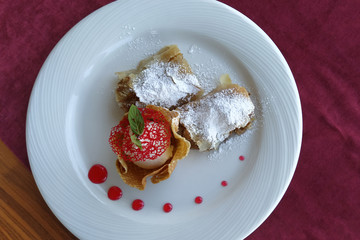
x,y
136,176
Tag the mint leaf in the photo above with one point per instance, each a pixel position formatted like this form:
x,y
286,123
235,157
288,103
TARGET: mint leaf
x,y
136,141
136,120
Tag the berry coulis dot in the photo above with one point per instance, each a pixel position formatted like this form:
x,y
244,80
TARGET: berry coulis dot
x,y
137,204
242,158
224,183
198,200
114,193
97,174
167,207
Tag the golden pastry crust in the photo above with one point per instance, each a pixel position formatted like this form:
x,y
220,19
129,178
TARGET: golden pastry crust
x,y
210,120
174,74
136,176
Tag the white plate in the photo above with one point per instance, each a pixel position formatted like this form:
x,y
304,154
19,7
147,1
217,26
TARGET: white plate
x,y
72,109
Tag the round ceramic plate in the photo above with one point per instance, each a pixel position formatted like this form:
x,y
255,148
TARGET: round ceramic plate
x,y
72,109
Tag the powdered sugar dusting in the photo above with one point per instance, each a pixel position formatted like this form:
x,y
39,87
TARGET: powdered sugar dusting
x,y
229,145
150,41
262,107
208,73
210,120
165,84
194,49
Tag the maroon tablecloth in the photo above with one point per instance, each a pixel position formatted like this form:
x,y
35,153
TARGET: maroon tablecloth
x,y
321,42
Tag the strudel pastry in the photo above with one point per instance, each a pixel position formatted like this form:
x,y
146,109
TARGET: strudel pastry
x,y
210,120
164,79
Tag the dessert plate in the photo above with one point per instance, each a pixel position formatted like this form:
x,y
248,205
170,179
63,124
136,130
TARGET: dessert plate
x,y
72,109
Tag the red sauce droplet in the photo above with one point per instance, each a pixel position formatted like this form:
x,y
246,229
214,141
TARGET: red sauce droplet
x,y
167,207
198,200
224,183
97,174
137,204
242,158
114,193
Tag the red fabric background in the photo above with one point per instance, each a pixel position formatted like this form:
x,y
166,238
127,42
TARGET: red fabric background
x,y
319,39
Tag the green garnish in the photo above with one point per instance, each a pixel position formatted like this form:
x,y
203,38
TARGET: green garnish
x,y
136,141
136,124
